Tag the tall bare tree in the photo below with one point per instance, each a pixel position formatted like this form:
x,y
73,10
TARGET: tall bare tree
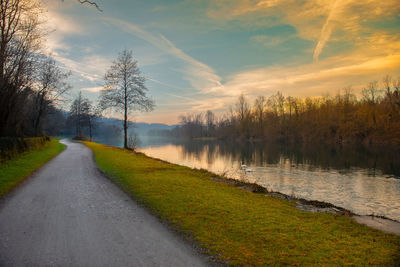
x,y
19,43
75,114
82,114
210,122
51,85
260,105
242,109
124,90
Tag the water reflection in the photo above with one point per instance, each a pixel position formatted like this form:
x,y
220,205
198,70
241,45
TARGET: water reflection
x,y
362,179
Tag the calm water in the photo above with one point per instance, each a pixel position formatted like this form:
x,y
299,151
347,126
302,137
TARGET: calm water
x,y
363,180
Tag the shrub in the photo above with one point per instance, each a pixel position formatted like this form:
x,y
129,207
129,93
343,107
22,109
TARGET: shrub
x,y
13,146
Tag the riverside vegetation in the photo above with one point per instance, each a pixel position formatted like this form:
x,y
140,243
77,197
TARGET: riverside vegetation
x,y
345,118
239,227
15,170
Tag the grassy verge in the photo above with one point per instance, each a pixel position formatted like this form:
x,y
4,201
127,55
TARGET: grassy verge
x,y
14,171
240,227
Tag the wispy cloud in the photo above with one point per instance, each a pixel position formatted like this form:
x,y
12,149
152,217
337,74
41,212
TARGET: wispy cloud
x,y
90,67
93,89
197,73
60,27
162,83
328,75
315,20
326,30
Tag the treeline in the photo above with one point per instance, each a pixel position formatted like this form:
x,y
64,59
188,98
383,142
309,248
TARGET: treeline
x,y
81,122
31,83
372,118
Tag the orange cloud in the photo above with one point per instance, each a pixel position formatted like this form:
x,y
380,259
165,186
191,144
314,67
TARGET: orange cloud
x,y
316,20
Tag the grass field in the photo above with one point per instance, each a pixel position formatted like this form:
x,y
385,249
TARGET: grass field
x,y
240,227
16,170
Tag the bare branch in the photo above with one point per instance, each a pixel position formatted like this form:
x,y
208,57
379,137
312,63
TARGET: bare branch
x,y
93,3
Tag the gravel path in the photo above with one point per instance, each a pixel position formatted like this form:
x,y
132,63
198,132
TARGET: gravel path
x,y
68,214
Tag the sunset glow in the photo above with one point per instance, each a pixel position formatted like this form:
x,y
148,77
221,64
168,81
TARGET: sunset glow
x,y
201,55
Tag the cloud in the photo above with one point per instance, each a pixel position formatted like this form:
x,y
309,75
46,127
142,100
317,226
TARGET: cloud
x,y
316,20
90,67
313,79
378,55
271,41
326,30
197,73
59,27
93,89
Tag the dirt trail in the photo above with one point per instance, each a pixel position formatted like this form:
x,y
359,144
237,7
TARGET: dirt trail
x,y
68,214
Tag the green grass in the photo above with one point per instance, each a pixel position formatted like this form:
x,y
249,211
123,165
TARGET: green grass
x,y
240,227
14,171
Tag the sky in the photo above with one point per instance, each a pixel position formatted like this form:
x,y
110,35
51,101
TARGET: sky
x,y
201,55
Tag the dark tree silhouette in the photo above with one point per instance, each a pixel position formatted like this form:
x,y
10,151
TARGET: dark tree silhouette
x,y
82,114
51,85
19,46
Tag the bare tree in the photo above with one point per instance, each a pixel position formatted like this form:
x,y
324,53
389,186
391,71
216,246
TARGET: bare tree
x,y
76,114
259,105
371,93
133,141
91,115
124,90
19,44
51,85
192,125
242,110
210,121
83,114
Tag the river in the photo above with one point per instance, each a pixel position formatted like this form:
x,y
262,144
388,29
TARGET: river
x,y
364,180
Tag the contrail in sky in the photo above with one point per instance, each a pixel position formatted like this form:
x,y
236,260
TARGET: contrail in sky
x,y
326,30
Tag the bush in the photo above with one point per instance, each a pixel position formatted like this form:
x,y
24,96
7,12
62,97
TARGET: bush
x,y
13,146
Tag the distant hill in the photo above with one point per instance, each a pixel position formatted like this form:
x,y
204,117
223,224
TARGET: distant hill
x,y
140,128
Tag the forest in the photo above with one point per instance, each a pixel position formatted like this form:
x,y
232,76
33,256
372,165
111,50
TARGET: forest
x,y
31,83
373,117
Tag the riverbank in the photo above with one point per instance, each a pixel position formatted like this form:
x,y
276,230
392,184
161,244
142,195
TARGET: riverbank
x,y
240,227
14,171
378,222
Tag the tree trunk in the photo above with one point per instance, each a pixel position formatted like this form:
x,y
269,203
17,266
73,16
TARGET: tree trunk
x,y
90,129
125,117
39,114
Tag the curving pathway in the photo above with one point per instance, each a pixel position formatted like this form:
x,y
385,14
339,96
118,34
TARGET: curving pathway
x,y
69,214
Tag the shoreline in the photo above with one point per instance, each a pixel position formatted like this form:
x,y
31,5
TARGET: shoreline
x,y
378,222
